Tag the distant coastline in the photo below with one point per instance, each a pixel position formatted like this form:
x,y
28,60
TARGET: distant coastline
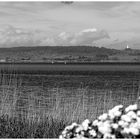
x,y
69,54
70,68
70,63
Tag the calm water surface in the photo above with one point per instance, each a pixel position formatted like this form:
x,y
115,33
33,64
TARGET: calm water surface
x,y
116,76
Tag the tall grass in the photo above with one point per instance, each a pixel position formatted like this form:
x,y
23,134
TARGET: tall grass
x,y
39,112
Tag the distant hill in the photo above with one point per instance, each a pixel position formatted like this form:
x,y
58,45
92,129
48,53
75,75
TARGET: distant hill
x,y
54,51
42,53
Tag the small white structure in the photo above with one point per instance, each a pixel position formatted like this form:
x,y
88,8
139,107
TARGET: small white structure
x,y
2,60
127,47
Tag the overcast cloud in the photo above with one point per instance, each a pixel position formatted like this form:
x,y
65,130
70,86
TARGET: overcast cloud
x,y
78,23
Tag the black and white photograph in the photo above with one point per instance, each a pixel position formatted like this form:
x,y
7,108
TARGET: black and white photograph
x,y
70,69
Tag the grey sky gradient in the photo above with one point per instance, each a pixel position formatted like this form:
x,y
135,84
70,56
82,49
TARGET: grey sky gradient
x,y
108,24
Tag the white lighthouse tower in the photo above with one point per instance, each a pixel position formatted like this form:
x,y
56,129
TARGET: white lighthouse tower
x,y
127,47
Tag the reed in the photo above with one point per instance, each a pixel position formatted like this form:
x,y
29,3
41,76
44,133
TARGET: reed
x,y
39,112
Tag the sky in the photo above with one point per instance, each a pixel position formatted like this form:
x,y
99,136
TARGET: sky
x,y
103,24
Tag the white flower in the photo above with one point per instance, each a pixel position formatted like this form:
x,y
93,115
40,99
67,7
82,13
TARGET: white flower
x,y
138,113
79,136
115,125
121,123
82,132
108,135
74,124
71,126
104,128
113,137
64,132
134,131
126,130
61,137
84,138
138,119
85,124
117,113
95,123
138,123
79,129
107,123
134,125
118,107
126,118
100,124
131,108
92,133
132,114
126,124
103,117
111,114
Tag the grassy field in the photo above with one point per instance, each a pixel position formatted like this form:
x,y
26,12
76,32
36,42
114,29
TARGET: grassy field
x,y
28,110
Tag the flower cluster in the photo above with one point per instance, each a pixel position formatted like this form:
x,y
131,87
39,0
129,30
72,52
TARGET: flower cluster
x,y
119,122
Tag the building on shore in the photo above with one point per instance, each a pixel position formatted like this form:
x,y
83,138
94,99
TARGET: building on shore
x,y
2,60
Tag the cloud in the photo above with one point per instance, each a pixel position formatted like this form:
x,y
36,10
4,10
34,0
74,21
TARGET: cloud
x,y
13,37
48,42
89,36
84,37
64,36
89,30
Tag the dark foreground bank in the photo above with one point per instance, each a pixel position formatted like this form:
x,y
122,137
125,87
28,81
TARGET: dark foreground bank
x,y
68,68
